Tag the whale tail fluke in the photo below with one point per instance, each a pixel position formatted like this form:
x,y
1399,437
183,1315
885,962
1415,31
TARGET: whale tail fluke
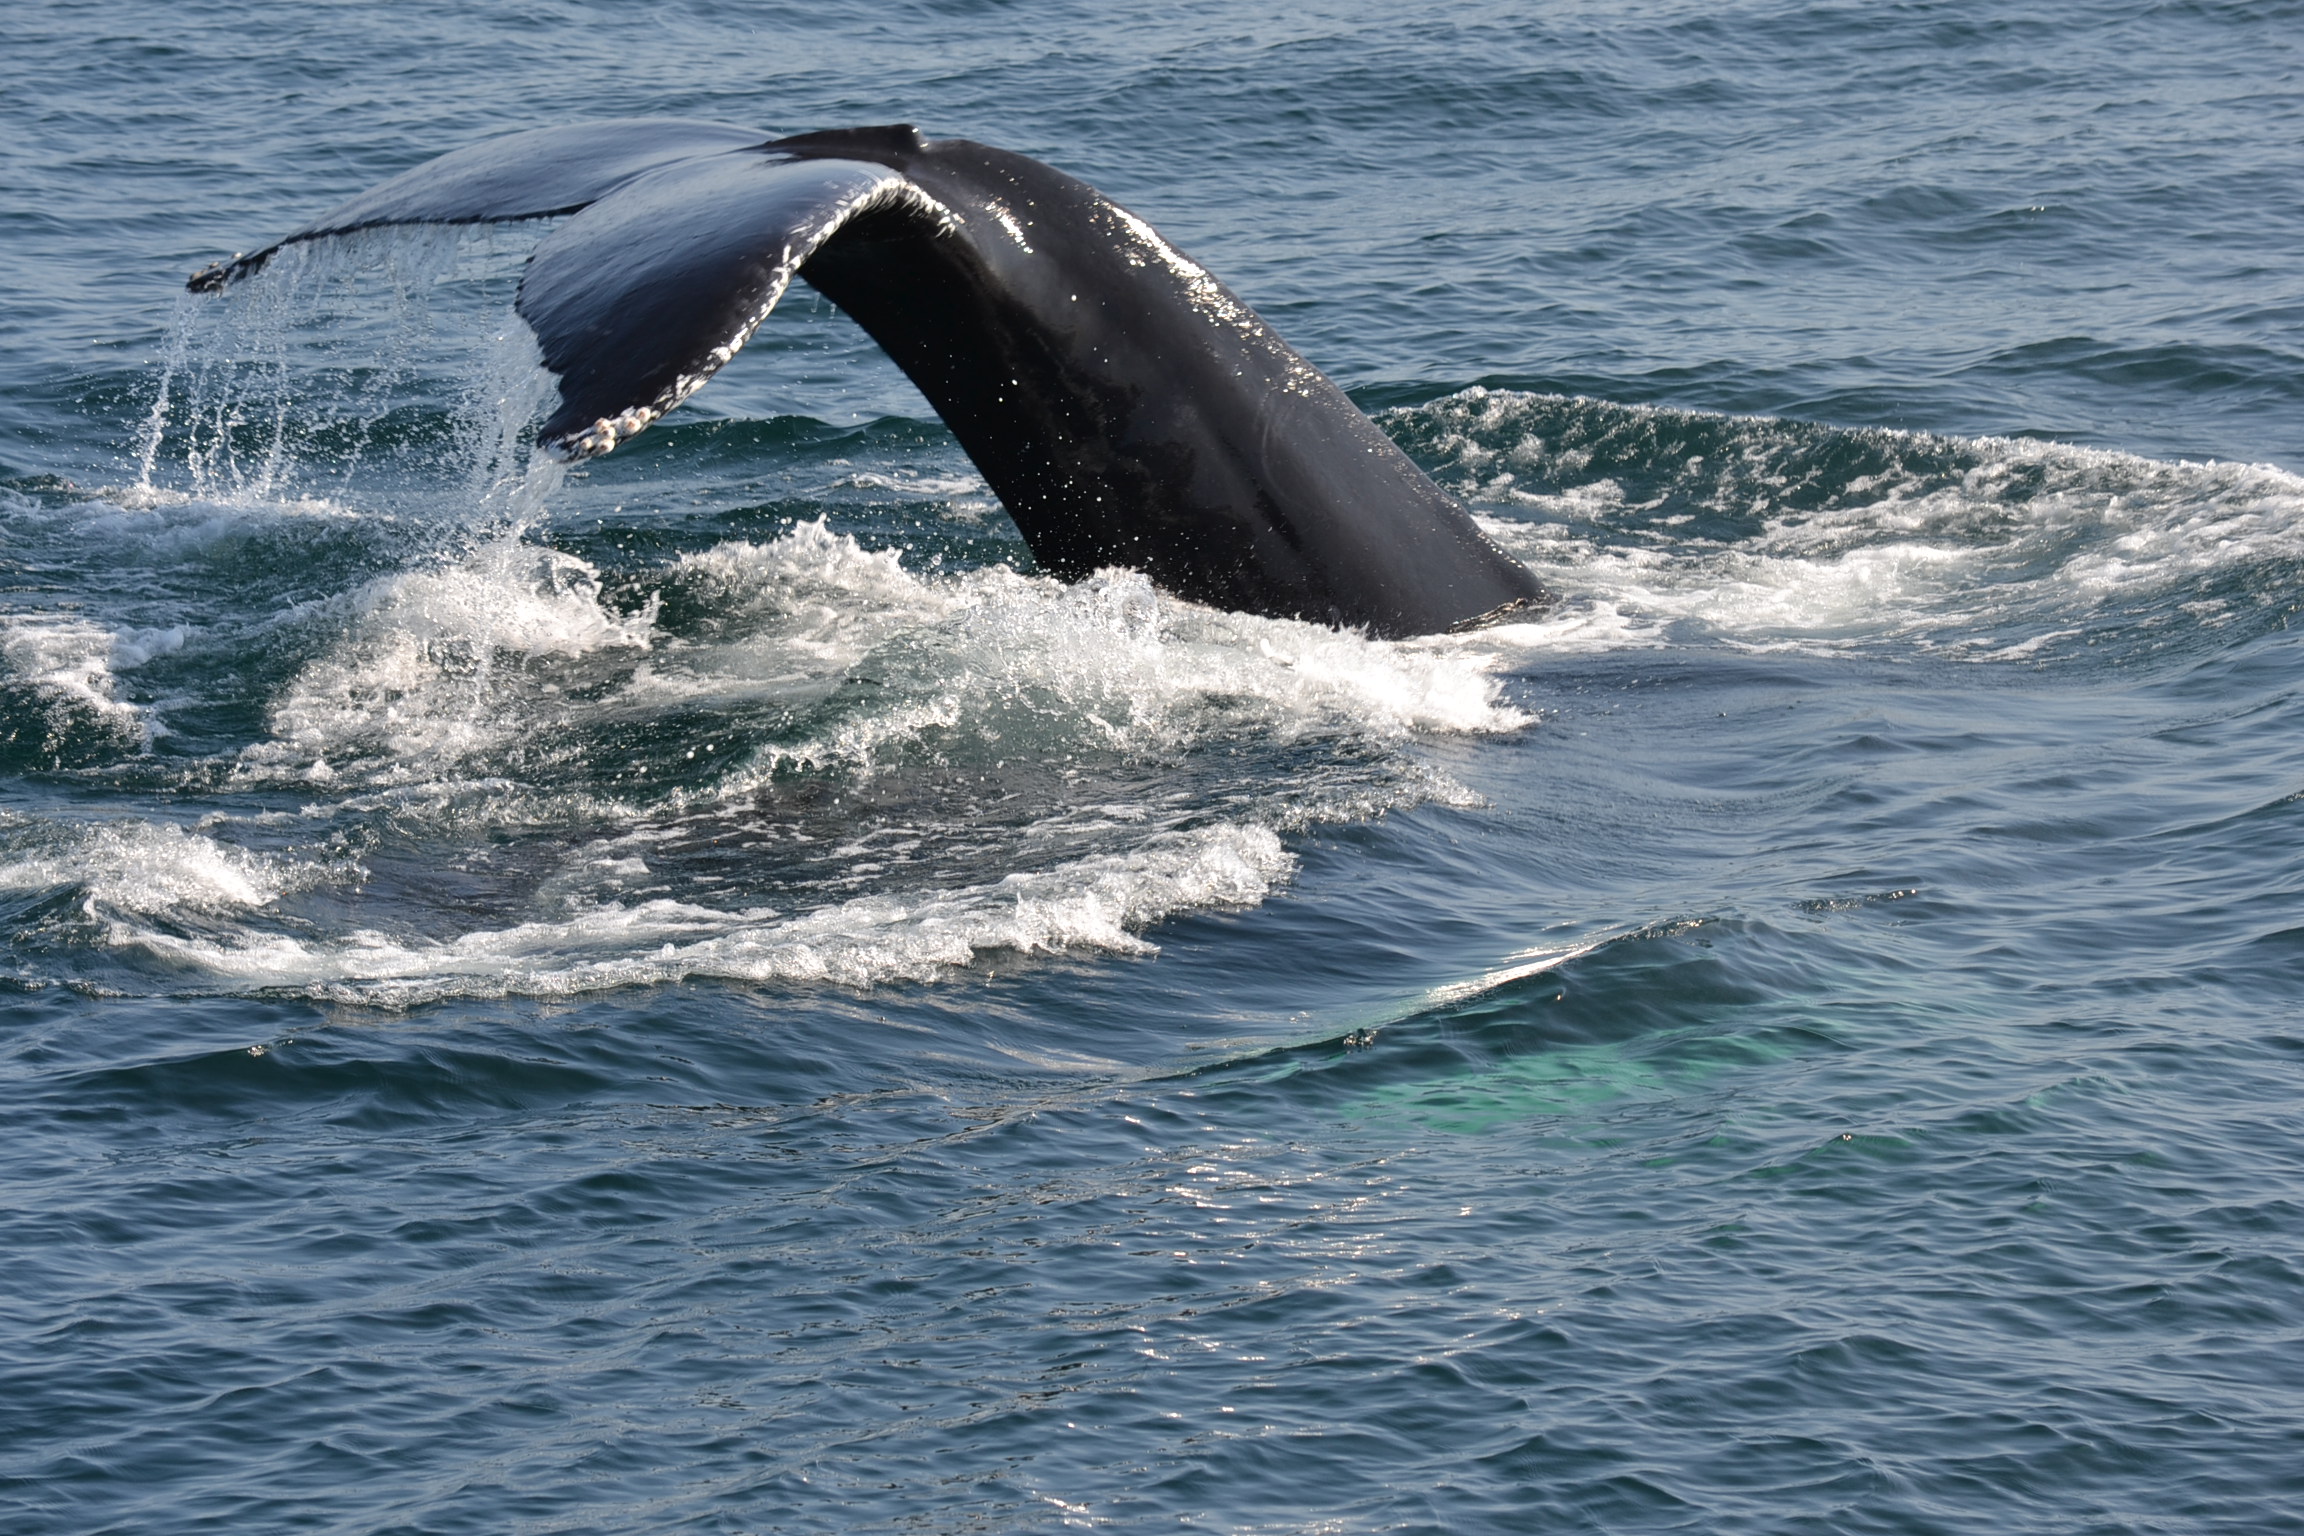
x,y
683,238
534,174
1126,407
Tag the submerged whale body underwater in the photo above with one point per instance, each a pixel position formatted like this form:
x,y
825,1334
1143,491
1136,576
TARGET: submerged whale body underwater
x,y
1125,406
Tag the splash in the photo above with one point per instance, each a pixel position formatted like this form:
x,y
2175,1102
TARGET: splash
x,y
335,370
802,760
493,753
434,664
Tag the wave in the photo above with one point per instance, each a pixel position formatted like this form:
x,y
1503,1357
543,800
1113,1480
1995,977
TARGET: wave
x,y
795,759
482,762
1662,526
1097,903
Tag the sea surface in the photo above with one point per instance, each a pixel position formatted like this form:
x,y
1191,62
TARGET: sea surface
x,y
700,993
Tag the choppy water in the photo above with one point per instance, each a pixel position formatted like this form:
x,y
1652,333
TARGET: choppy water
x,y
705,995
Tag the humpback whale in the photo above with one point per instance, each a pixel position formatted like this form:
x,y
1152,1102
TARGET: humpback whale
x,y
1125,406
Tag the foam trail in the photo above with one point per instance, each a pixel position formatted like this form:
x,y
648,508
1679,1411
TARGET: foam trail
x,y
416,684
557,794
71,663
795,759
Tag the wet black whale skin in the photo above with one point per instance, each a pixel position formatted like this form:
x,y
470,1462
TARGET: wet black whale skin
x,y
1124,405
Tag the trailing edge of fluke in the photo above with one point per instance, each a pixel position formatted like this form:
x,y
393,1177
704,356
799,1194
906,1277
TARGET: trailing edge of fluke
x,y
1126,408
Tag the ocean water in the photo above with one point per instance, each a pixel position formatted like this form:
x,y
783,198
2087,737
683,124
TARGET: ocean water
x,y
701,993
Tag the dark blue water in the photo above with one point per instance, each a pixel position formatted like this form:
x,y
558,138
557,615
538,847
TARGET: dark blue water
x,y
705,995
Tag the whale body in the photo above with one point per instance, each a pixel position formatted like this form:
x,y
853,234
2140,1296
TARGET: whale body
x,y
1125,406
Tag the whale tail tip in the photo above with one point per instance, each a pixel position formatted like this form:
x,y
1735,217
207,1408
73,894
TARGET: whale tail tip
x,y
212,277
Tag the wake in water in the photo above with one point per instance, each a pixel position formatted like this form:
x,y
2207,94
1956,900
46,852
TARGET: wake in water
x,y
416,735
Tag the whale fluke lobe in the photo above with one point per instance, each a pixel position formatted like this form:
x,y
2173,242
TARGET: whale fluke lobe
x,y
640,298
1124,405
533,174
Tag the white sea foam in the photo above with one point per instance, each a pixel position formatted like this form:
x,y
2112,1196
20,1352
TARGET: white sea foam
x,y
417,710
911,483
430,693
140,868
413,687
1109,660
73,661
1095,903
443,666
562,787
140,526
1033,765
